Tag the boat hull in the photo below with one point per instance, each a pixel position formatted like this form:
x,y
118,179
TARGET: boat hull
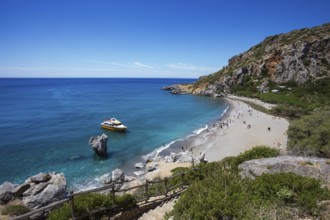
x,y
111,128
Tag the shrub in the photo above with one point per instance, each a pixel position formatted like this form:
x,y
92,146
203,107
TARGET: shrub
x,y
14,210
226,196
255,153
85,203
310,135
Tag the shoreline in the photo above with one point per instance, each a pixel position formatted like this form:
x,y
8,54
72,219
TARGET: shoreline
x,y
227,135
239,129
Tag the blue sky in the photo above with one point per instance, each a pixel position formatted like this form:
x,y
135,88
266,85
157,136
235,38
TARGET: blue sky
x,y
140,38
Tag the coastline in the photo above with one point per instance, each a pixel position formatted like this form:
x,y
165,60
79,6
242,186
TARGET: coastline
x,y
239,129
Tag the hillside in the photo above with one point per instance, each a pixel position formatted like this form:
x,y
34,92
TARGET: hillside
x,y
298,57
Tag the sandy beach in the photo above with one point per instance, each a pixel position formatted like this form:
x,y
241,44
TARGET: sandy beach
x,y
239,130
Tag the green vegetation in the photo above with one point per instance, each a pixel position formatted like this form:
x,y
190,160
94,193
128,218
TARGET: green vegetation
x,y
310,135
257,152
222,194
218,192
225,196
86,203
15,210
294,102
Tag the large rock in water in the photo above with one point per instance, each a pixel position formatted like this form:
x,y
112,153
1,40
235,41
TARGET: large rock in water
x,y
305,166
99,145
44,193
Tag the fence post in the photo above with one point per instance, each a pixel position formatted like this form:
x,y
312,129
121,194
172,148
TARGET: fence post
x,y
71,200
182,175
165,183
147,193
113,193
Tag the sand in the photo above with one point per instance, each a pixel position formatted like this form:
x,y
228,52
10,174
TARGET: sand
x,y
241,129
237,137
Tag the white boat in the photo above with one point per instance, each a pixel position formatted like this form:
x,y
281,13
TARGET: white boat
x,y
113,124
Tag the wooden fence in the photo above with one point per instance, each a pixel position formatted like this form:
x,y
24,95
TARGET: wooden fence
x,y
150,191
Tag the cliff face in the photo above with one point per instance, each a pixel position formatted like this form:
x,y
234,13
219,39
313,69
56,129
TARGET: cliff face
x,y
299,56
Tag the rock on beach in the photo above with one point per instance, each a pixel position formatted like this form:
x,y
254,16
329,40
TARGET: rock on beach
x,y
37,191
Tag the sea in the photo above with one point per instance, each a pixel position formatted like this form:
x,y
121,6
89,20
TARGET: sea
x,y
46,124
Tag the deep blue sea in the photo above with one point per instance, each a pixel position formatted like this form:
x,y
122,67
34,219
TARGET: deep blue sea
x,y
45,124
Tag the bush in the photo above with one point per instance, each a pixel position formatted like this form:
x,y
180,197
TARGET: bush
x,y
14,210
309,135
255,153
226,196
85,203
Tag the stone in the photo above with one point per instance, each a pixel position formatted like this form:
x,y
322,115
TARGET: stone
x,y
20,189
6,192
129,178
201,158
38,188
118,176
53,190
106,178
168,159
99,145
139,173
40,177
305,166
151,167
139,165
150,157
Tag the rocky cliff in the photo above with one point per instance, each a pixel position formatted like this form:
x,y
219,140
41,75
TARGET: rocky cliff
x,y
298,57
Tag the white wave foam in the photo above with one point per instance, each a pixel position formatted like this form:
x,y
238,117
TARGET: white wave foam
x,y
84,187
200,130
160,149
224,112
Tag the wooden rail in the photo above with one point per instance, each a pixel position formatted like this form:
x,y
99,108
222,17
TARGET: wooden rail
x,y
146,199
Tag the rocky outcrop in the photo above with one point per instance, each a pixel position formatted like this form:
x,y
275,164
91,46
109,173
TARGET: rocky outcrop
x,y
6,192
37,191
46,192
117,176
178,89
300,56
304,166
139,165
99,145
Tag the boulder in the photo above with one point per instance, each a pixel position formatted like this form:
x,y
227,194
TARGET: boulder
x,y
38,188
305,166
99,145
150,157
20,189
173,157
139,173
129,178
139,165
201,158
46,193
151,167
106,178
118,176
40,177
185,157
6,192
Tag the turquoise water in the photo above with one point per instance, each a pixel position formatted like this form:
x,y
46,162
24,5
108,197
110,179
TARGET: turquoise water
x,y
45,124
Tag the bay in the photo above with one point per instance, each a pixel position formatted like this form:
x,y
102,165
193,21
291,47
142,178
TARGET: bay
x,y
45,124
